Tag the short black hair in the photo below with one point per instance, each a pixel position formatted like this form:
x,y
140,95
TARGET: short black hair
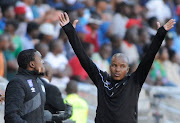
x,y
120,6
25,57
151,21
40,46
13,22
32,26
52,44
72,87
171,53
86,45
115,38
161,50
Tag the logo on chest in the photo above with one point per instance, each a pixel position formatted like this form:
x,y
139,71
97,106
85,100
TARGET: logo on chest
x,y
30,83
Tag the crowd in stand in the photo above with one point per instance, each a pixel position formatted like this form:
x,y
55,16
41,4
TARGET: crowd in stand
x,y
105,27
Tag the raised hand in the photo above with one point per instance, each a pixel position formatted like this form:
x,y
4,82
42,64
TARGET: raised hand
x,y
169,25
64,19
74,23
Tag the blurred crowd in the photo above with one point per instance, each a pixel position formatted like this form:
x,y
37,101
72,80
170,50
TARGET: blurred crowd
x,y
105,27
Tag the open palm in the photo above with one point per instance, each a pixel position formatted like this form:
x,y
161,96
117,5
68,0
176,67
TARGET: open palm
x,y
64,19
169,25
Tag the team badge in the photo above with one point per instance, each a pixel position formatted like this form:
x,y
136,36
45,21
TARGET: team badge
x,y
30,83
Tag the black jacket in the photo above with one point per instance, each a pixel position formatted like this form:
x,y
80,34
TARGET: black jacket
x,y
54,101
117,100
24,99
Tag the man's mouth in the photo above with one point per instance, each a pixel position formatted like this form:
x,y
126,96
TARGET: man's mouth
x,y
117,75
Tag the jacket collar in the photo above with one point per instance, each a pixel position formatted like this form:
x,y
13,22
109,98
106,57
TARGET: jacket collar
x,y
27,72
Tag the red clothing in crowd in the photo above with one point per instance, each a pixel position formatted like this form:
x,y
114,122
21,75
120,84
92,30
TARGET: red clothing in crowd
x,y
77,68
92,37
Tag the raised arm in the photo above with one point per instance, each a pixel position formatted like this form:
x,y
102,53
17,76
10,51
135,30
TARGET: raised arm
x,y
142,71
85,61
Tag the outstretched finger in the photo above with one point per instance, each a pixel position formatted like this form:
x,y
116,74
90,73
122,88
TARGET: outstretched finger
x,y
66,16
62,17
60,20
61,24
158,25
75,23
171,22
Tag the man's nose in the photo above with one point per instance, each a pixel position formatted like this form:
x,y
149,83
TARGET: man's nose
x,y
118,69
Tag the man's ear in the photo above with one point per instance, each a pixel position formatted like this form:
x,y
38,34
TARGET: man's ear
x,y
31,64
127,70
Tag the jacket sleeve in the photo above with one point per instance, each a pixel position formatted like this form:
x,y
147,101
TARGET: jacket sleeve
x,y
146,62
85,61
14,98
54,98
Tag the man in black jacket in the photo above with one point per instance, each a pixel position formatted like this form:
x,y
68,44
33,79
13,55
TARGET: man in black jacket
x,y
117,94
54,101
25,93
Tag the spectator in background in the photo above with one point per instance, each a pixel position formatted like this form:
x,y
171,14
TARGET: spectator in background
x,y
77,71
144,40
104,31
27,4
42,7
116,44
162,12
81,32
58,60
101,6
79,106
31,37
11,60
92,27
11,26
176,39
47,32
4,45
136,11
42,48
31,10
172,68
80,13
8,13
159,72
128,46
2,22
20,16
169,43
68,51
152,26
120,19
57,4
90,6
101,58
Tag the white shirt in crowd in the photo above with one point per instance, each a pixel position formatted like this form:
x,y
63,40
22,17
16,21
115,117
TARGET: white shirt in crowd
x,y
159,9
57,62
